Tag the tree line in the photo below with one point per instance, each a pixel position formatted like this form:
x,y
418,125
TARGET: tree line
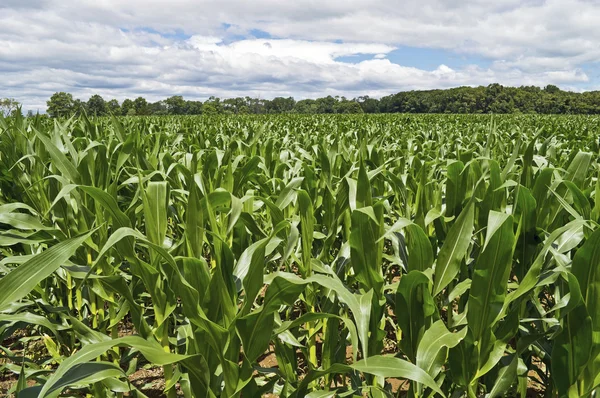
x,y
494,98
63,104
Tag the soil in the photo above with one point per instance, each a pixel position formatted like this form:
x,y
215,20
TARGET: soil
x,y
150,380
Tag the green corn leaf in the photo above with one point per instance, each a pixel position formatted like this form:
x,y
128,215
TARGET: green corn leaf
x,y
85,373
586,268
20,281
62,163
420,252
152,351
155,211
490,277
506,378
414,310
305,208
454,249
366,249
436,339
572,347
387,366
455,192
577,171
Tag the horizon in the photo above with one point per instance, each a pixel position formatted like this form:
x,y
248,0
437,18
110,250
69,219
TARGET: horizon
x,y
203,100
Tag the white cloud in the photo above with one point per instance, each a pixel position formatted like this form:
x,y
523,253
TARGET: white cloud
x,y
312,48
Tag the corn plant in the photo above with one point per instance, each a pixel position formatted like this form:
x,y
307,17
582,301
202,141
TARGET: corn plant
x,y
380,256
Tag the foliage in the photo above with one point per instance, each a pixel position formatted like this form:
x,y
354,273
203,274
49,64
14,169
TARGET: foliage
x,y
8,106
96,105
60,104
113,107
458,254
494,98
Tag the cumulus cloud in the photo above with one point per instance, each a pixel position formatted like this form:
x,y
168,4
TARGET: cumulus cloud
x,y
270,48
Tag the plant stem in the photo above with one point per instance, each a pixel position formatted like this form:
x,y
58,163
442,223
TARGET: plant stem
x,y
167,369
69,292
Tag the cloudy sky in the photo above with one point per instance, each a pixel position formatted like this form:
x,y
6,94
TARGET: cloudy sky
x,y
303,48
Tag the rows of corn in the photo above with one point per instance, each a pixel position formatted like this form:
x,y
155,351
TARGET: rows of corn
x,y
419,256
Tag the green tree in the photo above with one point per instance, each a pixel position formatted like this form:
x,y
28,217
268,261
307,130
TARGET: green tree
x,y
326,105
552,89
209,109
60,104
255,105
8,106
493,98
158,108
234,105
175,105
127,107
368,104
79,107
113,107
306,107
280,105
96,105
193,107
216,106
141,106
346,106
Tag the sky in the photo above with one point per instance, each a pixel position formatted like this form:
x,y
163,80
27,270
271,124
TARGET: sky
x,y
301,48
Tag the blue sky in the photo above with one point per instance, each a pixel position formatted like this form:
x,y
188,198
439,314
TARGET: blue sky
x,y
424,58
305,49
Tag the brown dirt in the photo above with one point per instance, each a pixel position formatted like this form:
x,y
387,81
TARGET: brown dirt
x,y
125,328
269,361
151,381
398,384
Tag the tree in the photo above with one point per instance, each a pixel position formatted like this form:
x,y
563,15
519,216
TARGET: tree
x,y
280,105
8,106
215,106
127,107
113,107
552,89
60,104
235,105
326,105
79,107
493,98
96,105
141,106
368,104
158,108
348,107
306,106
256,105
193,107
175,105
209,109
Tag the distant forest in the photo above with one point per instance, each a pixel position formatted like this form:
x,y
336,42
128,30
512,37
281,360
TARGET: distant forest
x,y
494,98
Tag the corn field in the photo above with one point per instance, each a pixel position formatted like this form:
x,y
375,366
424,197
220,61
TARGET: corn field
x,y
301,256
